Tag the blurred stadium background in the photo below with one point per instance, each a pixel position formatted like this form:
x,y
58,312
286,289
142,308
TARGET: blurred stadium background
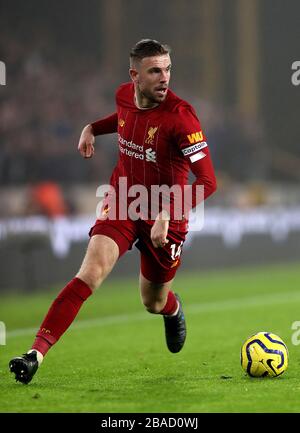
x,y
232,60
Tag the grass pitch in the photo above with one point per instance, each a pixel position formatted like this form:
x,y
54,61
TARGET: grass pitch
x,y
114,358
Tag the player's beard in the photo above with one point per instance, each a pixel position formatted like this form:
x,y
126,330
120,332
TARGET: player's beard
x,y
152,97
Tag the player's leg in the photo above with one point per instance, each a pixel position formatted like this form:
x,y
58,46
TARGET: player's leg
x,y
101,255
158,270
158,298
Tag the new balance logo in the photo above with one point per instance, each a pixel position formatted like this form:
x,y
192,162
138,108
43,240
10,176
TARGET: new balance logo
x,y
195,137
150,155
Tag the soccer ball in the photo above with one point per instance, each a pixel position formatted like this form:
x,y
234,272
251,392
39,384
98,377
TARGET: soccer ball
x,y
264,354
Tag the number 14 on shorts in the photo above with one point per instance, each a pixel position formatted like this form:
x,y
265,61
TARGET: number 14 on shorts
x,y
175,254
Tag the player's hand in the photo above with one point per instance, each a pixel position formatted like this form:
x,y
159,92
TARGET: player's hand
x,y
159,230
86,142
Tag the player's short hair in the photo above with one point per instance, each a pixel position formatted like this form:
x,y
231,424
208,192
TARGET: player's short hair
x,y
148,48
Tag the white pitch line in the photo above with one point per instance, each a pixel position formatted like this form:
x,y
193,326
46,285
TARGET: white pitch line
x,y
206,307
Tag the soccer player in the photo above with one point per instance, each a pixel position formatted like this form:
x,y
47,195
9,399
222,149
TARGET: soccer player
x,y
160,140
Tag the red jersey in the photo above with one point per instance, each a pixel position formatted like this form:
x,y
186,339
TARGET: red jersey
x,y
158,146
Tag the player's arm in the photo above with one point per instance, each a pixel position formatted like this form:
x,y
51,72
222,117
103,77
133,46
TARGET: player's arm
x,y
107,125
205,176
193,145
159,230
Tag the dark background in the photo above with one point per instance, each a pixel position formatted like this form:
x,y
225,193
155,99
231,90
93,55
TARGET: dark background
x,y
64,60
231,58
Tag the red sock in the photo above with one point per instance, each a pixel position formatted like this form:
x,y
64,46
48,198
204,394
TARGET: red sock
x,y
171,305
61,314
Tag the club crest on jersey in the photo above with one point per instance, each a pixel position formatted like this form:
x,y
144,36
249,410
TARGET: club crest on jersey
x,y
121,122
151,132
195,137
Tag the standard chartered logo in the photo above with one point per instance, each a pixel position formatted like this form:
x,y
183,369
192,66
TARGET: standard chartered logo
x,y
130,149
150,155
130,144
136,151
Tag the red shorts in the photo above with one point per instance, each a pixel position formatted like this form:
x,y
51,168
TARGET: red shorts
x,y
158,265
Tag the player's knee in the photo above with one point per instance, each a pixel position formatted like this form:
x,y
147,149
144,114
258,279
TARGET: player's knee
x,y
153,307
92,276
